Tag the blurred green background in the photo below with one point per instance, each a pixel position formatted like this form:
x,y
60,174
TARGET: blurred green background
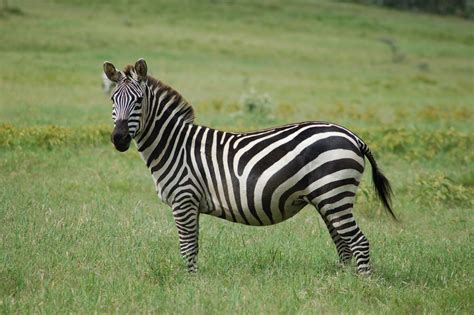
x,y
81,229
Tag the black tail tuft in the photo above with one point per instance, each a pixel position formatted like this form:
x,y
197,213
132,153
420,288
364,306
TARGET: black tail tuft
x,y
381,184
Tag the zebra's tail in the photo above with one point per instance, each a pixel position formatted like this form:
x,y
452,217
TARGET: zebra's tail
x,y
381,183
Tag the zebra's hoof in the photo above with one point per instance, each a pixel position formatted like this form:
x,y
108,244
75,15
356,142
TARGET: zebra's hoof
x,y
345,262
192,271
365,271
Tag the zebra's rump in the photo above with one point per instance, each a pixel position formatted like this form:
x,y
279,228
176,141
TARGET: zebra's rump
x,y
267,177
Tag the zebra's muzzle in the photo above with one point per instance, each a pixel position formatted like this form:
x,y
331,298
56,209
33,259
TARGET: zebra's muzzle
x,y
120,136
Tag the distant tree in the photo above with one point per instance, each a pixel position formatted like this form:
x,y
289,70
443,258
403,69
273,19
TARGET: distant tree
x,y
463,8
470,9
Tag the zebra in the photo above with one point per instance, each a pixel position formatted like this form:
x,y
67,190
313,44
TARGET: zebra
x,y
254,178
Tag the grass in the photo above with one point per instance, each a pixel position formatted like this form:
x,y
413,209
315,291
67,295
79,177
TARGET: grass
x,y
116,250
81,229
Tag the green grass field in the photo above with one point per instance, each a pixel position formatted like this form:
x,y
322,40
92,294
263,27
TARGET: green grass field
x,y
82,231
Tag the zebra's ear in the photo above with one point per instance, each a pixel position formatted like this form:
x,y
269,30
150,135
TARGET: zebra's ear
x,y
141,69
107,85
111,73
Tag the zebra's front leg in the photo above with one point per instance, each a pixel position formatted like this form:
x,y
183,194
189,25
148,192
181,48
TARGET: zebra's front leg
x,y
186,217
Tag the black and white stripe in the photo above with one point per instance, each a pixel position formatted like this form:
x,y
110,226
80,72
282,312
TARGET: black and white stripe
x,y
257,178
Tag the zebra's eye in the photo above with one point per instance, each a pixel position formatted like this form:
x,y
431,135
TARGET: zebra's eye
x,y
139,100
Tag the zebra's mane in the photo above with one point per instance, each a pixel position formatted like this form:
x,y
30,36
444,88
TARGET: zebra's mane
x,y
185,110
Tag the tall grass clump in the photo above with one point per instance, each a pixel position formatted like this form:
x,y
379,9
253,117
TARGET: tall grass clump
x,y
52,136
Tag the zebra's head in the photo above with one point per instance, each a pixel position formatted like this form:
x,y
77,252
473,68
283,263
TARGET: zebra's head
x,y
128,98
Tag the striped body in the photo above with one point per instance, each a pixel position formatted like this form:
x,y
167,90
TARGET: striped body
x,y
256,178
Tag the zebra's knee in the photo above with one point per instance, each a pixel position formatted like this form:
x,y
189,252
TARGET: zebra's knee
x,y
360,245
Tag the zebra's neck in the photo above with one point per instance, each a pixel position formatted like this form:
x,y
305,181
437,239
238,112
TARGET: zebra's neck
x,y
167,122
163,108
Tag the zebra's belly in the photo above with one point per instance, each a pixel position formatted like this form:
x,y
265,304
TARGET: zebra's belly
x,y
257,216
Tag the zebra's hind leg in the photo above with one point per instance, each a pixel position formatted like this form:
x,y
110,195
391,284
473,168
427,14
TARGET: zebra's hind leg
x,y
186,217
343,250
345,232
343,221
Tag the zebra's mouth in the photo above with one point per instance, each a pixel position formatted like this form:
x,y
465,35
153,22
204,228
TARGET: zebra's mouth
x,y
123,144
120,136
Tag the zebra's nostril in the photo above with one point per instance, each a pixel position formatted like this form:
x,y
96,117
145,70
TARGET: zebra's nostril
x,y
121,141
120,134
120,138
117,137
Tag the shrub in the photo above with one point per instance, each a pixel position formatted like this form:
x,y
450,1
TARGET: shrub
x,y
257,109
408,144
438,188
256,104
52,136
